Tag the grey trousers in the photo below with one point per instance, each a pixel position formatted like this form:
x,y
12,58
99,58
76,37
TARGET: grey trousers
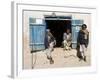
x,y
49,50
83,50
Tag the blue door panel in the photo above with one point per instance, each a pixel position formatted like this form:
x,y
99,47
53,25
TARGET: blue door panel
x,y
37,36
74,35
76,25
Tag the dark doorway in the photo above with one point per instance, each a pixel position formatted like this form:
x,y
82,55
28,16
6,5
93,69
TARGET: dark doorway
x,y
57,28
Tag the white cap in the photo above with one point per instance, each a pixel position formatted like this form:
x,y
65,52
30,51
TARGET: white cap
x,y
48,30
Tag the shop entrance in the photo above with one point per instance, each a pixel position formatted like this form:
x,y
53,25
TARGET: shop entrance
x,y
57,28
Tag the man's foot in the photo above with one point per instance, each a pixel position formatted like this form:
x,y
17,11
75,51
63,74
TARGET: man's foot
x,y
52,49
80,58
48,57
85,58
51,61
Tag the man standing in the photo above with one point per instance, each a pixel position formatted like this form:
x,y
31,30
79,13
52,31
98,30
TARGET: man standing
x,y
83,39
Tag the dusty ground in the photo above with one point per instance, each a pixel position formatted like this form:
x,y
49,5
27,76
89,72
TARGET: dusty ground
x,y
61,59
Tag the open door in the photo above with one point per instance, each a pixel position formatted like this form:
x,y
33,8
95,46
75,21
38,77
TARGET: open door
x,y
76,25
37,34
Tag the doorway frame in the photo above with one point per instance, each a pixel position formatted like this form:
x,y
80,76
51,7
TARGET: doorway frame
x,y
58,17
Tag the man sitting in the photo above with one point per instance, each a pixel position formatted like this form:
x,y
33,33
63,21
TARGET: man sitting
x,y
67,40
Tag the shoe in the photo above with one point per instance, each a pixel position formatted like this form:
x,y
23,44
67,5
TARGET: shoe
x,y
51,61
48,57
80,58
85,58
52,49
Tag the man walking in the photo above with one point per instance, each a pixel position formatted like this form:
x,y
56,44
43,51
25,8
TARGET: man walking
x,y
83,39
50,42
